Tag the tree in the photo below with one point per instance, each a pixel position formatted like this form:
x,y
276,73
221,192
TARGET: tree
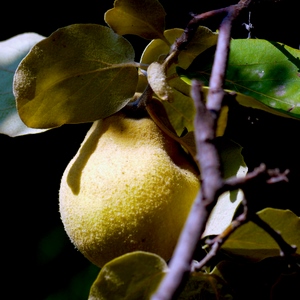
x,y
248,141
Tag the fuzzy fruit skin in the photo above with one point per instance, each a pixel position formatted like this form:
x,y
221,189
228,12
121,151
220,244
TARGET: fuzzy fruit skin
x,y
128,188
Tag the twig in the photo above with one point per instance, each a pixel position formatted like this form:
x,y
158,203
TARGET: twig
x,y
269,176
218,241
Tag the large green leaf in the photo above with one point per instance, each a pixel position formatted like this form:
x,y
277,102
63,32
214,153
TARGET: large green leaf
x,y
266,71
80,73
254,243
12,51
143,18
131,276
258,70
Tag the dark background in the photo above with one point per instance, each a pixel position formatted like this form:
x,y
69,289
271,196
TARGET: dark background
x,y
39,262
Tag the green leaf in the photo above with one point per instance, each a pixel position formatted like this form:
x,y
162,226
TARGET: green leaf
x,y
131,276
258,70
80,73
233,165
266,71
180,109
252,242
143,18
12,51
157,49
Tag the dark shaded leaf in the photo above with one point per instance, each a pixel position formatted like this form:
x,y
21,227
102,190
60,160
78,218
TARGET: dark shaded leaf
x,y
131,276
253,243
206,286
143,18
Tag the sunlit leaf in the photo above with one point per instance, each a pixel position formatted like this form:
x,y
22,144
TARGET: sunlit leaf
x,y
254,243
180,109
80,73
258,70
131,276
233,165
12,51
143,18
157,49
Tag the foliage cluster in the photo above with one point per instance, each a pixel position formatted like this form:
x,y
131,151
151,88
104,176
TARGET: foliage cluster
x,y
68,77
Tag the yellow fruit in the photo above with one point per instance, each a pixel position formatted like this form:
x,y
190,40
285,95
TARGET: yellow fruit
x,y
128,188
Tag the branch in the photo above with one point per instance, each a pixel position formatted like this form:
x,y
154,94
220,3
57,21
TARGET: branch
x,y
207,156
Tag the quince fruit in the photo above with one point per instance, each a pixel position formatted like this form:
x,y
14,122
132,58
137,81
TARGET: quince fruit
x,y
129,187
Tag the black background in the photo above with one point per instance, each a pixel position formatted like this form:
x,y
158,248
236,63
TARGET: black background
x,y
39,262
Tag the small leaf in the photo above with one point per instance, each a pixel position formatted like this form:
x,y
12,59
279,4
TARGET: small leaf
x,y
254,243
158,81
159,115
180,109
203,39
12,51
131,276
143,18
80,73
233,165
158,49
